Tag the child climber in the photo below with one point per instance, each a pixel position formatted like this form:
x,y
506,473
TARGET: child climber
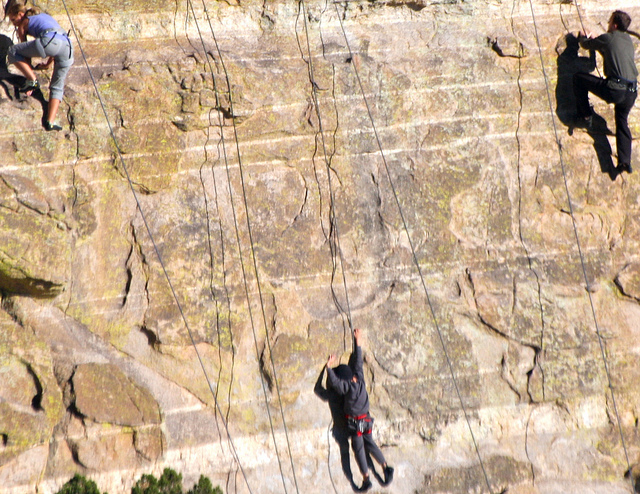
x,y
50,42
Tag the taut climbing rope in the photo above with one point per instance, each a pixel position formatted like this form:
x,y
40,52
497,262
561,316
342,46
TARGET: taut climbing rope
x,y
251,242
155,247
575,231
415,257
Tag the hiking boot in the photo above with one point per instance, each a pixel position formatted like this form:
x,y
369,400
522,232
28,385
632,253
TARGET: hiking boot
x,y
51,126
388,475
28,86
366,485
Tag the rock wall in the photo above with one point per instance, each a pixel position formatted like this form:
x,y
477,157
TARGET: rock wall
x,y
254,165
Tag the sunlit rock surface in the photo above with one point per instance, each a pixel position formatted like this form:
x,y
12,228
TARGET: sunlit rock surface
x,y
241,141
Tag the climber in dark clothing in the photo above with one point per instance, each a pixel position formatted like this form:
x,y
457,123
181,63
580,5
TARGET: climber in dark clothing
x,y
339,430
351,386
620,85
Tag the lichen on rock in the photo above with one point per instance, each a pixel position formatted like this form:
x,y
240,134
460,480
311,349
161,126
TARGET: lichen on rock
x,y
181,318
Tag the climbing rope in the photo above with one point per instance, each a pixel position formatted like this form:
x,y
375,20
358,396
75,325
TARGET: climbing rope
x,y
579,16
155,247
329,457
212,286
539,352
413,253
207,201
575,231
251,242
334,230
584,30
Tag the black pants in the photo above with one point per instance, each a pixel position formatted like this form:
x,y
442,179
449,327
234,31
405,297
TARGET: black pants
x,y
623,101
365,444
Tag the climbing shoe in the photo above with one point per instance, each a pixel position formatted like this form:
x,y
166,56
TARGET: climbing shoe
x,y
625,167
388,475
29,86
366,485
51,126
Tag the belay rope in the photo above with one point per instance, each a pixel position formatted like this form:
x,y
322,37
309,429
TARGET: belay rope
x,y
415,260
251,244
334,234
577,238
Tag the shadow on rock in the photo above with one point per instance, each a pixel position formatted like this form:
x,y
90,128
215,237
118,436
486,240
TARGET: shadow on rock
x,y
11,82
633,475
339,431
569,63
7,79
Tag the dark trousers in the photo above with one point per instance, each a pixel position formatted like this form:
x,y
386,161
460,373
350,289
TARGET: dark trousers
x,y
623,101
365,444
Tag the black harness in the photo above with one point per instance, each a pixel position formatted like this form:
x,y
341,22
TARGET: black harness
x,y
55,32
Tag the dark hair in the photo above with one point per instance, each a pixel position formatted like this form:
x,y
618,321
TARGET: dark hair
x,y
621,20
343,371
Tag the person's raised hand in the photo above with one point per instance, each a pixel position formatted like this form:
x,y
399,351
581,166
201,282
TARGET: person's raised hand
x,y
357,333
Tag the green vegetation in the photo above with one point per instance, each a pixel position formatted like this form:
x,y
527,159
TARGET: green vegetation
x,y
169,483
79,485
204,486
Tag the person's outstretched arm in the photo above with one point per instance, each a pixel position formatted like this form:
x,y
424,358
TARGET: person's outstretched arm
x,y
320,391
590,43
357,350
340,385
21,29
357,333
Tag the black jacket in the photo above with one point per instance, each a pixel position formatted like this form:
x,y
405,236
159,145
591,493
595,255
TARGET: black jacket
x,y
356,398
618,53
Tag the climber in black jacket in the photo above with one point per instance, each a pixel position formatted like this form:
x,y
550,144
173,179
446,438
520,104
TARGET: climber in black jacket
x,y
339,430
352,387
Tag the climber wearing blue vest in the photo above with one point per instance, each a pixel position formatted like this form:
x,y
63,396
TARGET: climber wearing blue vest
x,y
352,387
50,42
620,85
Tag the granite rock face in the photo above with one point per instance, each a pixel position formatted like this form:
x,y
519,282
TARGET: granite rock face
x,y
222,202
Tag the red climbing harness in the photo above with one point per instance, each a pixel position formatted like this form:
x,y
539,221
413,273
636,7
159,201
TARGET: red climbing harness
x,y
362,424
